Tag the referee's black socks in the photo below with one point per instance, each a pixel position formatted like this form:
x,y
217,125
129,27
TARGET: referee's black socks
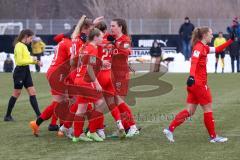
x,y
11,104
34,104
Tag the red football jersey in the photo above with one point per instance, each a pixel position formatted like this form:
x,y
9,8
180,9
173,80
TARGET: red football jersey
x,y
58,38
105,54
76,46
105,49
199,63
123,45
89,56
62,53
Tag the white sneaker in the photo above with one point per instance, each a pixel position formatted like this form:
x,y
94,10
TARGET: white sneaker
x,y
132,131
219,139
168,134
67,132
101,133
62,128
121,130
120,125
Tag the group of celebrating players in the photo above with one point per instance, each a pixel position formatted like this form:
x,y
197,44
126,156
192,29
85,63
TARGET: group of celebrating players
x,y
93,63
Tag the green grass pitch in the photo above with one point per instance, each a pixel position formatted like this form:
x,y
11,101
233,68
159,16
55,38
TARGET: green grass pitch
x,y
152,114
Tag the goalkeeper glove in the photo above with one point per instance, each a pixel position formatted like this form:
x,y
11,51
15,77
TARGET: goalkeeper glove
x,y
190,81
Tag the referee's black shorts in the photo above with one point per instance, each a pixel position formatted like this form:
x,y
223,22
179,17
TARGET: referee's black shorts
x,y
22,77
222,54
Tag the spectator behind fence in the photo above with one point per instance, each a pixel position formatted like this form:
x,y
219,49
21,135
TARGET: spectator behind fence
x,y
8,64
217,42
38,47
155,53
234,49
185,33
235,27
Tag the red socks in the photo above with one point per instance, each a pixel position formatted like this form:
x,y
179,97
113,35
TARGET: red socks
x,y
96,120
126,115
54,119
73,109
48,112
115,113
78,125
209,123
183,115
179,119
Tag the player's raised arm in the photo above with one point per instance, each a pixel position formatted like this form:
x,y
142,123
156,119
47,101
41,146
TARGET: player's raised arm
x,y
220,48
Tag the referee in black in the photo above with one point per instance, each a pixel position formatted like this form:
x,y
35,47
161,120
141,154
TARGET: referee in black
x,y
22,76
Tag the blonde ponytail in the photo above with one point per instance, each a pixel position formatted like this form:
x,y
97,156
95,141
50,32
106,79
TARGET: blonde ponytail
x,y
197,34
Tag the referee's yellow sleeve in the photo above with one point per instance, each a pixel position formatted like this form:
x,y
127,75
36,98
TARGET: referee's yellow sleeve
x,y
215,42
219,41
22,55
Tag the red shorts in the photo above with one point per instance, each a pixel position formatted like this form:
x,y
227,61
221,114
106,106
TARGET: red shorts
x,y
82,99
199,94
104,79
121,85
48,74
120,73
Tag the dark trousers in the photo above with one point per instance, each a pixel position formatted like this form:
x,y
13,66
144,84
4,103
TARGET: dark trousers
x,y
155,64
38,58
186,47
233,58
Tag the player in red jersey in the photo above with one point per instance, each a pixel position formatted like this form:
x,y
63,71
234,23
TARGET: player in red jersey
x,y
197,88
58,38
86,77
105,80
120,72
79,38
95,118
62,53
